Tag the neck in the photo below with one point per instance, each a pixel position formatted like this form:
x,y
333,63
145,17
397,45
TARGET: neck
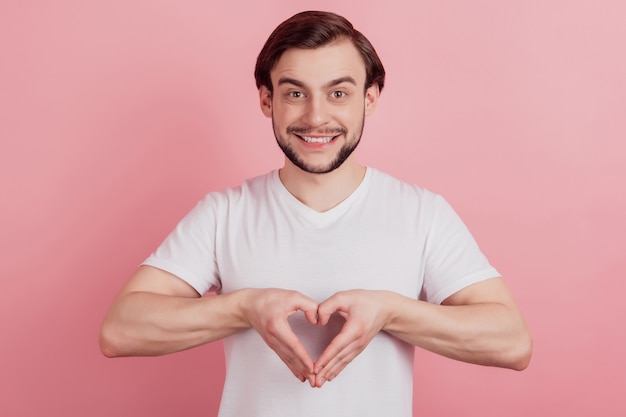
x,y
322,192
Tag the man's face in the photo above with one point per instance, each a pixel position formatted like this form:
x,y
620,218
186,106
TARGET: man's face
x,y
319,104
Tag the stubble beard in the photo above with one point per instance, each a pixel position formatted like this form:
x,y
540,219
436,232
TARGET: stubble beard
x,y
344,152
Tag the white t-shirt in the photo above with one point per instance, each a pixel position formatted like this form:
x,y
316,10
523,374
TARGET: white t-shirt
x,y
387,235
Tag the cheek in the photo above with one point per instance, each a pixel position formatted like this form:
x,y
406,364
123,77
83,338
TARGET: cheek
x,y
285,114
351,115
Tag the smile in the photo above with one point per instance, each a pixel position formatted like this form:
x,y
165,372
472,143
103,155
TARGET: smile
x,y
310,139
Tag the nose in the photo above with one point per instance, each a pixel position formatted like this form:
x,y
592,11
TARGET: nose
x,y
316,112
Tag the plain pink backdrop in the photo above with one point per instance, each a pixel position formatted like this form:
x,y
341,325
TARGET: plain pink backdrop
x,y
117,116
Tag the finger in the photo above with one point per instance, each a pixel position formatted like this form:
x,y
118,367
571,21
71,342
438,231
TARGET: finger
x,y
327,308
287,345
290,350
311,315
335,348
275,329
307,305
336,365
347,345
299,366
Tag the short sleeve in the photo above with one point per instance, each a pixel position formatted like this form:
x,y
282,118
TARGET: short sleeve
x,y
189,250
453,259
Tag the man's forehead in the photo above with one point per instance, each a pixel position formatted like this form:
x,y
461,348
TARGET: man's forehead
x,y
324,65
332,83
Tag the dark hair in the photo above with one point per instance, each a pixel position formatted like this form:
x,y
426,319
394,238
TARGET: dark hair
x,y
310,30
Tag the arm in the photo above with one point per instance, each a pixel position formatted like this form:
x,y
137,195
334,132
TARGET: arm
x,y
480,324
157,313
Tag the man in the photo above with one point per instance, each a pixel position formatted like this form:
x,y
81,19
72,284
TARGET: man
x,y
324,269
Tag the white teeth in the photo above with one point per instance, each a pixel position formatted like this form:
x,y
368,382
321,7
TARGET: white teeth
x,y
309,139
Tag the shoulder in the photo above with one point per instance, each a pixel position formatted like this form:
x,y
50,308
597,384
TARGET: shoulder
x,y
386,186
251,189
226,206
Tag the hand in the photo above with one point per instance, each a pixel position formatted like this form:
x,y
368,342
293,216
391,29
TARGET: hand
x,y
267,310
366,313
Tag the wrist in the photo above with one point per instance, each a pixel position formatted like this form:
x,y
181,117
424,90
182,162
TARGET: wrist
x,y
239,306
394,304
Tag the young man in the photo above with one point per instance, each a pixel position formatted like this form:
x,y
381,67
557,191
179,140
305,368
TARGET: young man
x,y
324,269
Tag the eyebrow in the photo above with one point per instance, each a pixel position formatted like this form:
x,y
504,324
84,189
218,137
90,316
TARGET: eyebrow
x,y
331,83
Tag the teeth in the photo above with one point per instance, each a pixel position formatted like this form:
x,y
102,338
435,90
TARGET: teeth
x,y
309,139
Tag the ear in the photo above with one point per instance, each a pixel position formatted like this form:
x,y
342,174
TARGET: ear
x,y
371,98
265,100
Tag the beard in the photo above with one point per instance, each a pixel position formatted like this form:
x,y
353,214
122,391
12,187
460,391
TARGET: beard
x,y
344,152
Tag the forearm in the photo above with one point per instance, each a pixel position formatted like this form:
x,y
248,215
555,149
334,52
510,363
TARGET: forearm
x,y
148,324
484,333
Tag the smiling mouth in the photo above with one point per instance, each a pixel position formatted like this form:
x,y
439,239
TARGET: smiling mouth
x,y
316,139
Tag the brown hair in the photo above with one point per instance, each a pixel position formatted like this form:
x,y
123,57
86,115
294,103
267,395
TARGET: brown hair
x,y
310,30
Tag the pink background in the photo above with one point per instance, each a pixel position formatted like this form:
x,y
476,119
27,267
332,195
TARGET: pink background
x,y
117,116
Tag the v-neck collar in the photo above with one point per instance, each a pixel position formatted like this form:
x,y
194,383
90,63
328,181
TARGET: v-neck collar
x,y
313,216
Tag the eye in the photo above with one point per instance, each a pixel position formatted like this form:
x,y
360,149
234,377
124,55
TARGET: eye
x,y
338,94
295,94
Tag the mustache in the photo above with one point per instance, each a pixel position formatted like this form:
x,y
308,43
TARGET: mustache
x,y
326,131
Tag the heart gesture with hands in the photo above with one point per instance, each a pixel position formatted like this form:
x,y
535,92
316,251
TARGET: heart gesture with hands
x,y
365,312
